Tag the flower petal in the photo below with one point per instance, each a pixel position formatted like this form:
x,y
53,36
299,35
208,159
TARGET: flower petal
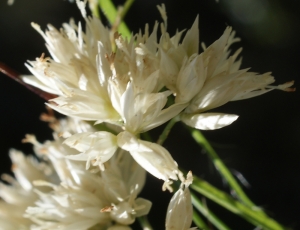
x,y
180,211
152,157
142,207
96,148
208,121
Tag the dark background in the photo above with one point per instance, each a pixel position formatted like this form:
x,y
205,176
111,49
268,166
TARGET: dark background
x,y
263,144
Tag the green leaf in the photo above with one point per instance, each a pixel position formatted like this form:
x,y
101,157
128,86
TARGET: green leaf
x,y
208,214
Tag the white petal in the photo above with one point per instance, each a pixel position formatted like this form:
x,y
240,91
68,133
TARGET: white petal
x,y
78,157
208,121
34,81
191,39
165,115
129,142
152,157
190,79
180,211
85,106
142,207
168,71
96,147
83,141
103,67
127,103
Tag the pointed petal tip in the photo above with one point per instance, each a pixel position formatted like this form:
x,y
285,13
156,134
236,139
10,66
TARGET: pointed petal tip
x,y
286,86
208,121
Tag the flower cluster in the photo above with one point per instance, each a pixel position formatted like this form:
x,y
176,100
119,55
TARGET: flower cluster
x,y
52,192
66,195
90,176
138,84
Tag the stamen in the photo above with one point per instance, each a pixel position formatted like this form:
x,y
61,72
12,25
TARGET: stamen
x,y
107,208
285,87
167,186
29,138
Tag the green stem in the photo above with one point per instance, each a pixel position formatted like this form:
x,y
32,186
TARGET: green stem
x,y
163,136
126,7
111,13
208,214
144,222
221,167
238,208
199,221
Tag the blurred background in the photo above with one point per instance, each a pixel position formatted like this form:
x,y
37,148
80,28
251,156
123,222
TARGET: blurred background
x,y
263,145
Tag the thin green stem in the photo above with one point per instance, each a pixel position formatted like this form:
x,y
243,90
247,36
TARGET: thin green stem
x,y
112,15
126,7
208,214
238,208
199,221
221,167
144,222
163,136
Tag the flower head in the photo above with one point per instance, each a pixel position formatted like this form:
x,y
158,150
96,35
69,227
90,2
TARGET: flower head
x,y
140,83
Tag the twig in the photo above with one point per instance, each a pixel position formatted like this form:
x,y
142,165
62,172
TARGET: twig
x,y
16,76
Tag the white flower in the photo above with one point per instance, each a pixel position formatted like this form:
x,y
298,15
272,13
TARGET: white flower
x,y
180,209
93,199
122,165
152,157
94,83
124,87
224,82
189,78
142,111
73,52
18,193
68,208
96,147
180,68
126,211
67,195
124,180
55,152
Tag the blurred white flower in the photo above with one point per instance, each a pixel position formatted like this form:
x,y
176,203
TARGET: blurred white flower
x,y
60,193
17,194
10,2
93,199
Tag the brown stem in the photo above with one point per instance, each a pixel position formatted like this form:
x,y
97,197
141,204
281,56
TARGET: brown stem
x,y
16,76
